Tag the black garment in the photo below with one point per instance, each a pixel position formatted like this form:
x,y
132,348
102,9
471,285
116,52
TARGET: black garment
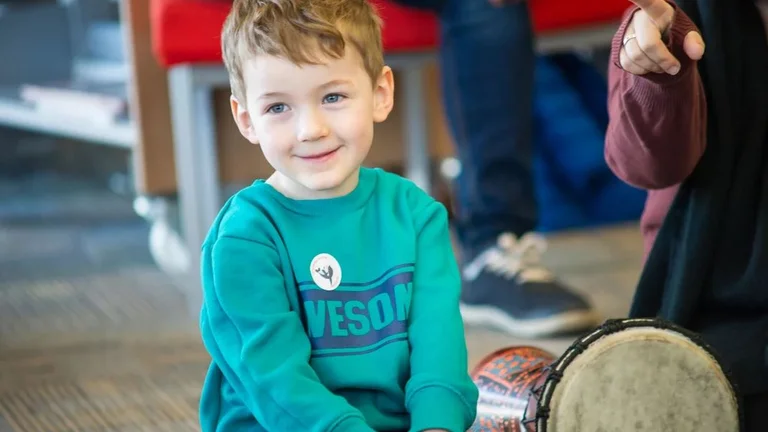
x,y
756,413
708,269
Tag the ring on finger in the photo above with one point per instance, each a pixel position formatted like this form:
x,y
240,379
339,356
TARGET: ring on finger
x,y
638,57
628,38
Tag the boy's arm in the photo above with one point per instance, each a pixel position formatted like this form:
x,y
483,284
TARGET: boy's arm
x,y
440,393
260,345
657,129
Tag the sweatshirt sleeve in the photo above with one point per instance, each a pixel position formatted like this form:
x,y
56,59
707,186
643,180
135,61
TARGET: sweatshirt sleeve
x,y
657,128
440,393
259,343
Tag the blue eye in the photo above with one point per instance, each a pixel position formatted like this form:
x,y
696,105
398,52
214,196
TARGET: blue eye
x,y
277,109
333,98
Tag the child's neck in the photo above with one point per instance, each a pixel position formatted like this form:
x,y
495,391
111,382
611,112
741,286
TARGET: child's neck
x,y
293,190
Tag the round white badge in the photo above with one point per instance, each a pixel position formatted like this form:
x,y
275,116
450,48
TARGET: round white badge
x,y
326,271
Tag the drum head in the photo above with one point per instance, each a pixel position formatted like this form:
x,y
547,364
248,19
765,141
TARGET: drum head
x,y
640,379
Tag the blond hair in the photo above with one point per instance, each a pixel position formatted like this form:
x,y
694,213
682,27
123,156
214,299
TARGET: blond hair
x,y
302,31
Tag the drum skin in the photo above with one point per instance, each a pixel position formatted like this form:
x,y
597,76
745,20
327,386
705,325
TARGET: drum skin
x,y
636,371
506,380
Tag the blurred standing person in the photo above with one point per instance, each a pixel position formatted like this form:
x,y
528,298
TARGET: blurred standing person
x,y
487,64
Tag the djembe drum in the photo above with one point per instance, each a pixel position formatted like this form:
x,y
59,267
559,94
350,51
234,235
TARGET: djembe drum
x,y
631,375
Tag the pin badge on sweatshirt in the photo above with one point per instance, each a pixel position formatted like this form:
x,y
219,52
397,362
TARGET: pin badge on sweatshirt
x,y
326,272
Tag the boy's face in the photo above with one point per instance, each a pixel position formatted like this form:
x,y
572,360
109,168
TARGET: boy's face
x,y
313,122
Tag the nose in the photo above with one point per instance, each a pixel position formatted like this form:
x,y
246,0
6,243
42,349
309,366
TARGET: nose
x,y
312,126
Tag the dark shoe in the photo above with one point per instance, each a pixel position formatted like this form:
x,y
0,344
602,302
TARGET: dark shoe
x,y
507,287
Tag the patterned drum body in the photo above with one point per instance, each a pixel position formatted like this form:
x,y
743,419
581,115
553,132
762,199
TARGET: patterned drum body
x,y
507,380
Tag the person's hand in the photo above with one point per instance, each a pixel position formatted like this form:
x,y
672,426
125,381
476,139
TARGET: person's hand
x,y
643,48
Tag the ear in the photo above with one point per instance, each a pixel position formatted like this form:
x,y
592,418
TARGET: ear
x,y
383,95
243,120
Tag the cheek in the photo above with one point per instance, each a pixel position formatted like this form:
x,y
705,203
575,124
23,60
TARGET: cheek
x,y
275,135
355,126
276,142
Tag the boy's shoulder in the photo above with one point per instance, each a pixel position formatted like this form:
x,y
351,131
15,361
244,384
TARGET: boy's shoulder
x,y
395,187
247,214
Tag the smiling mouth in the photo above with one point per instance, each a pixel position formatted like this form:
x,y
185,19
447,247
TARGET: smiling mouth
x,y
320,156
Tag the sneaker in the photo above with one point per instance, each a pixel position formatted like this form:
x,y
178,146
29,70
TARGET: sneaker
x,y
508,288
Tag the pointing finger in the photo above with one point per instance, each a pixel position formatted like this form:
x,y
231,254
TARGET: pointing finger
x,y
657,10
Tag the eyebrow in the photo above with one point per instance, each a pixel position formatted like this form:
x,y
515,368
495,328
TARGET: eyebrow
x,y
270,95
329,84
335,83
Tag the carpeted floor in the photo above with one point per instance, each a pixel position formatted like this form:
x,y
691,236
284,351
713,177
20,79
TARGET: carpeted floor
x,y
93,337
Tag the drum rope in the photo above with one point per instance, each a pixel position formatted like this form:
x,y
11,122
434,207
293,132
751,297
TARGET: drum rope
x,y
542,412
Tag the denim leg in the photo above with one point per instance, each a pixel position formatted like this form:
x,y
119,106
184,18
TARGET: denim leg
x,y
487,64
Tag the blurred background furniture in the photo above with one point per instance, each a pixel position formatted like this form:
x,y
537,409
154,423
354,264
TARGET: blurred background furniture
x,y
69,76
157,89
185,37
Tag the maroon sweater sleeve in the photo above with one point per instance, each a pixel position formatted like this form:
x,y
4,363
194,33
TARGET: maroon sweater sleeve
x,y
657,129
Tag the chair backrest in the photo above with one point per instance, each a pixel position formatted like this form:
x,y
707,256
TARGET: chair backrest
x,y
188,31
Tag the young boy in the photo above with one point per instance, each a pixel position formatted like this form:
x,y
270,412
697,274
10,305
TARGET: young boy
x,y
331,293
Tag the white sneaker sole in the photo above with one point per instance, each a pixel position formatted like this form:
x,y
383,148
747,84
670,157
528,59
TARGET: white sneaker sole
x,y
563,323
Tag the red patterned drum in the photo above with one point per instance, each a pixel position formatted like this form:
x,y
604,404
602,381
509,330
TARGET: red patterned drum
x,y
638,375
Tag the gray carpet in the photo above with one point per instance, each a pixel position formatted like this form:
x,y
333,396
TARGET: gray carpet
x,y
93,337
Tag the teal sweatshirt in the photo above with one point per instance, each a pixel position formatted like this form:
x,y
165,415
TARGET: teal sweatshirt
x,y
337,314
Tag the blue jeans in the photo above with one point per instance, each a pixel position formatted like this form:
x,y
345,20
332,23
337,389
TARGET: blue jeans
x,y
487,65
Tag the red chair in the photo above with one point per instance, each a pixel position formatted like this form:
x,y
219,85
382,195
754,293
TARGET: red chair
x,y
186,40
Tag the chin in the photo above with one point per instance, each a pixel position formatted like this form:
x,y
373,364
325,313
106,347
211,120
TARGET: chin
x,y
325,182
